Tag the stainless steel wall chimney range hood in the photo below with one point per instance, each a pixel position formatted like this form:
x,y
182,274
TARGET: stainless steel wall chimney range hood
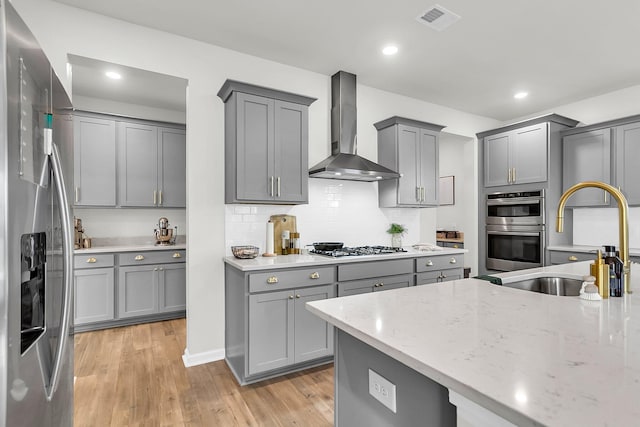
x,y
344,162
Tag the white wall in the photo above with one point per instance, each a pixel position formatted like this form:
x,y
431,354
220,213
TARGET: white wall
x,y
206,67
129,110
128,222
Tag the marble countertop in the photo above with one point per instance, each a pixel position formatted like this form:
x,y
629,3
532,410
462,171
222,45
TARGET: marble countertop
x,y
533,359
129,244
586,249
287,261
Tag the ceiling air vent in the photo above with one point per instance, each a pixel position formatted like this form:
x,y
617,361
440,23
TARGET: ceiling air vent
x,y
438,18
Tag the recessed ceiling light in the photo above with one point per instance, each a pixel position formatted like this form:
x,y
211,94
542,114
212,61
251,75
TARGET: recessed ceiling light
x,y
521,95
113,75
390,50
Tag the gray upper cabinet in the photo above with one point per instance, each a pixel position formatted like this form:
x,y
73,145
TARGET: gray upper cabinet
x,y
409,147
517,156
586,156
266,144
627,147
94,161
152,165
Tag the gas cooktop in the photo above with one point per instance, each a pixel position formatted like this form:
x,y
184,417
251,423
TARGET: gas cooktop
x,y
358,251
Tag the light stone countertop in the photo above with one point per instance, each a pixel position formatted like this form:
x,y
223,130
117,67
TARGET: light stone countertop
x,y
533,359
587,249
129,244
288,261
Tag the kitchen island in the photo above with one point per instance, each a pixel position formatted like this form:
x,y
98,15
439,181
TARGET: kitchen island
x,y
507,356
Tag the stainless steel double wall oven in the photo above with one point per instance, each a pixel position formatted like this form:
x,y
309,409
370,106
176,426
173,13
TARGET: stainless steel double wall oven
x,y
515,230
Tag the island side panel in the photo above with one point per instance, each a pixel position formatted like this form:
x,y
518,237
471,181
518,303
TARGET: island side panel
x,y
420,401
235,325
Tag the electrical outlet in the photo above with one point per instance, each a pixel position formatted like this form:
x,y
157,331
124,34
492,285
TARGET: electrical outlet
x,y
382,390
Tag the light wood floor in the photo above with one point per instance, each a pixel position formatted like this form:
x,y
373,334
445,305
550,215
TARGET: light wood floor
x,y
134,376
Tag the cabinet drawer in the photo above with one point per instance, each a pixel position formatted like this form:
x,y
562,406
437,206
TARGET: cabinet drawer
x,y
374,269
92,261
283,279
561,257
152,257
374,284
438,262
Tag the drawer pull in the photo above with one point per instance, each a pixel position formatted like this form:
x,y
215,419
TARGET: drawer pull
x,y
273,279
290,296
455,246
453,261
91,260
177,255
314,275
573,258
297,296
429,263
139,257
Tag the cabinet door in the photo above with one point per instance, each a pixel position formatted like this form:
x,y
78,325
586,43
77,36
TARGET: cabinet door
x,y
173,287
138,164
587,157
172,168
528,151
270,331
393,282
313,337
93,291
255,148
408,165
452,274
137,291
428,278
496,160
428,167
94,162
627,155
291,153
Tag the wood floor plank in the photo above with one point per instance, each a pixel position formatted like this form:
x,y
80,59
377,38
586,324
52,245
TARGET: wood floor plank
x,y
134,376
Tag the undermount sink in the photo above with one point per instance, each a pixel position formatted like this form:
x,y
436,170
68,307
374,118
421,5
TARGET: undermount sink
x,y
549,285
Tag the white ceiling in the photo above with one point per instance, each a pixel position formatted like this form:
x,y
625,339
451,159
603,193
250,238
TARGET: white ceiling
x,y
140,87
560,51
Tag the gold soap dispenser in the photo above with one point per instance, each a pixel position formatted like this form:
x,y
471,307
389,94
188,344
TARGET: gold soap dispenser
x,y
600,271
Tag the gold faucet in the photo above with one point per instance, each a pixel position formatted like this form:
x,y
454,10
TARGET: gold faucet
x,y
623,221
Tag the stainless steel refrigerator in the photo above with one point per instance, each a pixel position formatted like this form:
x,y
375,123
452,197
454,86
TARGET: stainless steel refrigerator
x,y
36,269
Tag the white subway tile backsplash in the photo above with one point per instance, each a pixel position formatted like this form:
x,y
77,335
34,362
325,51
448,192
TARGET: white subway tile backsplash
x,y
343,211
596,227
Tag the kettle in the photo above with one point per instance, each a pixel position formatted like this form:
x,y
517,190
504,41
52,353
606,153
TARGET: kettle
x,y
164,234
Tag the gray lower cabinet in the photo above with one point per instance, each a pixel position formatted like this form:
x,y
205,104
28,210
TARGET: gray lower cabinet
x,y
563,257
282,332
128,287
586,156
374,284
94,161
439,268
93,289
266,144
409,147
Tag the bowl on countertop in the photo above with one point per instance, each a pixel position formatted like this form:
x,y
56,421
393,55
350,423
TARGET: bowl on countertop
x,y
245,252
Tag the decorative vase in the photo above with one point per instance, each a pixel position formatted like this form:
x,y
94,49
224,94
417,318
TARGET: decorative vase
x,y
396,240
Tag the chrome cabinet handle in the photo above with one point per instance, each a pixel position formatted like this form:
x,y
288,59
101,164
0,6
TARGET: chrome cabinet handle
x,y
297,296
452,261
161,269
91,260
271,280
417,194
160,198
155,195
139,257
573,258
429,263
513,175
278,187
271,191
177,255
509,175
77,195
424,194
314,275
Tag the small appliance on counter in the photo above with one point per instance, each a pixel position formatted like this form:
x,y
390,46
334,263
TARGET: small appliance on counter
x,y
164,234
80,240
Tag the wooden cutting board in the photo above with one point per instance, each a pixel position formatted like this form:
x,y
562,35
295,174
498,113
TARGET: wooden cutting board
x,y
280,224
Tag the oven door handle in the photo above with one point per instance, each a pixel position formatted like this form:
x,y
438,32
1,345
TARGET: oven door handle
x,y
515,233
503,202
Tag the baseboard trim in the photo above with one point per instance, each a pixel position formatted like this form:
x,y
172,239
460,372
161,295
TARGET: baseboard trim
x,y
200,358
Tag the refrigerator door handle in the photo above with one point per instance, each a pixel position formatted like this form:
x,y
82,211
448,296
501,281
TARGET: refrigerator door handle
x,y
67,250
